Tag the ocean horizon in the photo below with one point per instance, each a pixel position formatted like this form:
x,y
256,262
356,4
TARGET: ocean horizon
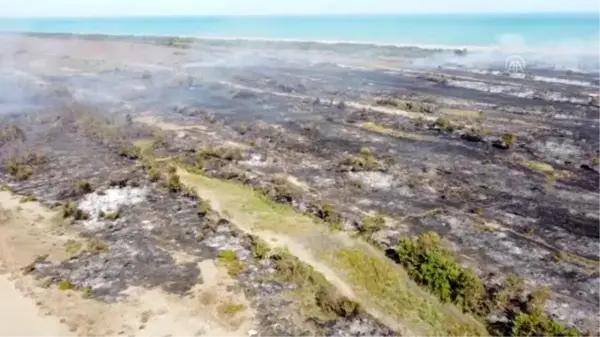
x,y
575,30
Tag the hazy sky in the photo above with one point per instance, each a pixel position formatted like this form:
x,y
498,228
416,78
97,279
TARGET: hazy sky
x,y
208,7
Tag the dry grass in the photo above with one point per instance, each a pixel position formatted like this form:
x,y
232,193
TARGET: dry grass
x,y
469,114
395,133
540,167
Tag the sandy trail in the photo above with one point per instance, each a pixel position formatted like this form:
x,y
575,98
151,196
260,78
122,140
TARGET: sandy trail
x,y
31,307
16,309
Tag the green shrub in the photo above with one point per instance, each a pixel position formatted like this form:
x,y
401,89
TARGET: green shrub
x,y
230,260
173,181
318,299
19,170
230,153
364,161
70,210
154,174
231,309
508,140
260,249
328,213
444,124
86,292
283,191
372,223
11,133
435,268
204,207
537,324
130,152
65,285
85,187
96,246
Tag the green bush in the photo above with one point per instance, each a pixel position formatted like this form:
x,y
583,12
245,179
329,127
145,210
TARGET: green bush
x,y
364,161
537,324
173,181
444,124
229,153
70,210
508,140
84,187
372,223
230,260
436,269
19,170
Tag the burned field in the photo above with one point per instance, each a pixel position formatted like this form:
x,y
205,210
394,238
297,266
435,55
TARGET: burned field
x,y
350,192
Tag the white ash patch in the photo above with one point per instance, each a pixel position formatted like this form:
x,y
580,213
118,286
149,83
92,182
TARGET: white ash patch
x,y
562,81
109,201
256,160
558,149
375,180
224,240
323,182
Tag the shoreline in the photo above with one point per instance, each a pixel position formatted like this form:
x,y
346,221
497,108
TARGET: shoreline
x,y
592,51
434,47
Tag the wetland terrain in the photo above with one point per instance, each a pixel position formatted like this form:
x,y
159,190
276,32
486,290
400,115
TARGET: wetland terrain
x,y
170,186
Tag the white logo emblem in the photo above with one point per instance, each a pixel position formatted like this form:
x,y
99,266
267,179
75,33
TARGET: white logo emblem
x,y
515,64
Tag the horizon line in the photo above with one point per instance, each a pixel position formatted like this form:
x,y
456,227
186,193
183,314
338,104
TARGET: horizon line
x,y
295,14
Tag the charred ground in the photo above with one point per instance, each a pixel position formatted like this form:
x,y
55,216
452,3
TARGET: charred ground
x,y
503,167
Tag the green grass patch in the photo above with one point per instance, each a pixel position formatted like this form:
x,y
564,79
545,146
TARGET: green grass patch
x,y
540,167
405,105
230,260
65,285
73,247
390,289
463,113
86,292
246,205
260,249
372,223
230,309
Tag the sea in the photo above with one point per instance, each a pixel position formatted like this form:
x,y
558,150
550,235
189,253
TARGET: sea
x,y
421,29
552,35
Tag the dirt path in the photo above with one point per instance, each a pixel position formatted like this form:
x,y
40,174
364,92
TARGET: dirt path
x,y
395,301
31,308
16,309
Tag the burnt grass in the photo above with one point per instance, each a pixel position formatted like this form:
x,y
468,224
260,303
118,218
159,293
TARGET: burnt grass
x,y
509,181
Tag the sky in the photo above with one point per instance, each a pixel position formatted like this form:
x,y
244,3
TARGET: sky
x,y
77,8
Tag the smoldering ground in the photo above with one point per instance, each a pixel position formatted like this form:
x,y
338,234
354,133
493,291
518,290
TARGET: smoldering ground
x,y
503,166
